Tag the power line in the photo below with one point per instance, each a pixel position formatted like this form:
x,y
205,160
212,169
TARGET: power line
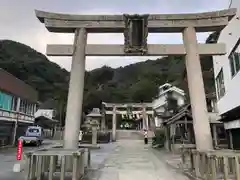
x,y
230,4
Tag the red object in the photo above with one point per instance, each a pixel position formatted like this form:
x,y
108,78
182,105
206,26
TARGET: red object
x,y
19,150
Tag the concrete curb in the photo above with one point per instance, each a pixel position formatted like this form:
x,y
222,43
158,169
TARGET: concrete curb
x,y
19,167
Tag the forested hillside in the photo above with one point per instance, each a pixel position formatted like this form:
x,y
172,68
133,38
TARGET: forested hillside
x,y
133,83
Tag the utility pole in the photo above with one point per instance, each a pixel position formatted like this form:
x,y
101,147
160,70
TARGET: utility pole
x,y
15,130
16,122
230,4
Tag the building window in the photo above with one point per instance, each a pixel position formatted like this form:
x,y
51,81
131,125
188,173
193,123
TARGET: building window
x,y
14,103
23,106
5,101
220,84
27,107
234,59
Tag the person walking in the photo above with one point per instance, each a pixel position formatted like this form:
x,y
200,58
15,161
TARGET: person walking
x,y
145,136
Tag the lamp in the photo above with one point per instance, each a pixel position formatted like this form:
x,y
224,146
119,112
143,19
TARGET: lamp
x,y
93,119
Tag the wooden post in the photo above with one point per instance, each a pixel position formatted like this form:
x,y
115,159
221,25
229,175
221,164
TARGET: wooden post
x,y
166,138
215,135
230,138
89,158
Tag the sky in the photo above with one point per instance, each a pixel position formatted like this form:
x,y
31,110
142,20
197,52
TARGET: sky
x,y
19,23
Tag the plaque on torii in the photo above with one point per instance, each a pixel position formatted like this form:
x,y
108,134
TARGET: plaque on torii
x,y
135,34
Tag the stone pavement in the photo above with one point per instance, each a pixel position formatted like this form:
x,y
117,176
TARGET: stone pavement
x,y
131,159
8,159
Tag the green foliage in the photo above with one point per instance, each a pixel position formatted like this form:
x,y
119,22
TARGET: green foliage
x,y
159,139
133,83
33,68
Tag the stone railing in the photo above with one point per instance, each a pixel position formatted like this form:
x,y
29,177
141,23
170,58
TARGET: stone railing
x,y
57,163
211,165
102,137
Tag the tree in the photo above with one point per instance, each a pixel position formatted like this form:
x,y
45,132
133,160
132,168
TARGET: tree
x,y
144,90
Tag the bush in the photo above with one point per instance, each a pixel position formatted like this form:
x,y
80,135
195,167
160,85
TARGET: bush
x,y
159,139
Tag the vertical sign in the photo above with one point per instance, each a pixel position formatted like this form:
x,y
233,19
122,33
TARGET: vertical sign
x,y
19,150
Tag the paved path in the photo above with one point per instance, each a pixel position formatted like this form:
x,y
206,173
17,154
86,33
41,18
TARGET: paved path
x,y
8,159
131,159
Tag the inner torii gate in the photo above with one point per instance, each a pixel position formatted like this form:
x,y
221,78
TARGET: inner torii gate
x,y
144,109
136,29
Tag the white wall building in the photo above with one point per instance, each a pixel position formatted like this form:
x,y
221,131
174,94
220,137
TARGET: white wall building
x,y
160,102
226,67
227,77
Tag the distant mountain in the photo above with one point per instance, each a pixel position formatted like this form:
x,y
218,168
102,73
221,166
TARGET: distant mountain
x,y
33,68
133,83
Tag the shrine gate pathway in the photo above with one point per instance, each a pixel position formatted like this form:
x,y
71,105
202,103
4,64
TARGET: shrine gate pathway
x,y
132,160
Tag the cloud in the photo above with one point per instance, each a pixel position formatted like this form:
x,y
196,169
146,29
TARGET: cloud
x,y
18,22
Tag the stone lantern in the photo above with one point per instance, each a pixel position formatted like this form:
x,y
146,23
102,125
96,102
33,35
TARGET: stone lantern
x,y
93,120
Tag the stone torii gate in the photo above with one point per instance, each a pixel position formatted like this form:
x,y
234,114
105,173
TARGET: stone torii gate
x,y
136,29
122,108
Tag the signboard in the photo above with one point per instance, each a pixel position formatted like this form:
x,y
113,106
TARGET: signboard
x,y
135,34
232,124
48,113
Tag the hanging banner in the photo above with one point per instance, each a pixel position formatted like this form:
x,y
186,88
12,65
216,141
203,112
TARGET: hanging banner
x,y
19,150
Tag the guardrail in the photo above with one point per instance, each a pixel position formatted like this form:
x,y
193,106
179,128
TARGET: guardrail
x,y
57,163
211,165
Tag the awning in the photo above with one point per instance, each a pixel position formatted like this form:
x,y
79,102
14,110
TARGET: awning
x,y
232,124
214,118
45,122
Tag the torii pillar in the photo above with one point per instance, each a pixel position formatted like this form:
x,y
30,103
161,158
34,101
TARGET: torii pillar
x,y
114,123
196,91
75,92
144,117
